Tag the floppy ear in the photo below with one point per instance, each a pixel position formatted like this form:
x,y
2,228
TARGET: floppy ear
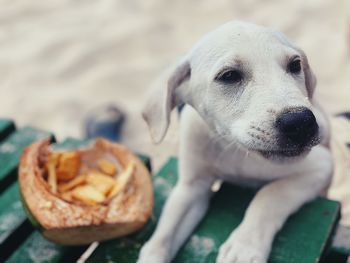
x,y
310,79
163,99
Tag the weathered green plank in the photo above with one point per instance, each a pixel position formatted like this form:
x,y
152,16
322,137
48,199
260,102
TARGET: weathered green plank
x,y
11,213
11,150
302,239
6,127
13,227
36,249
39,250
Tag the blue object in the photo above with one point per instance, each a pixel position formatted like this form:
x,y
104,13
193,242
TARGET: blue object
x,y
345,114
106,122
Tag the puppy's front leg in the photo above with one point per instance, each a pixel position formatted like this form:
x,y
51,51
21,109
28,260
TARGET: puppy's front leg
x,y
183,210
252,240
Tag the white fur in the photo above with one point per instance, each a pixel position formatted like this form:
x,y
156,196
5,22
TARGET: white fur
x,y
222,130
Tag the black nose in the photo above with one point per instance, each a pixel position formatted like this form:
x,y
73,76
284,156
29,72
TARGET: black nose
x,y
297,126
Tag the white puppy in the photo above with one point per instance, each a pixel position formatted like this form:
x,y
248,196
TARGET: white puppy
x,y
250,118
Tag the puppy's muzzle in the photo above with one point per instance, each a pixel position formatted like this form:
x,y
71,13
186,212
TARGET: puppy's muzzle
x,y
297,127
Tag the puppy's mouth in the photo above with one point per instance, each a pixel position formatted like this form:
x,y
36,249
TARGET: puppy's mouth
x,y
282,154
289,152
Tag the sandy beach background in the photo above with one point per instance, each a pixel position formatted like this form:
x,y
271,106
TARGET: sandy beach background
x,y
59,59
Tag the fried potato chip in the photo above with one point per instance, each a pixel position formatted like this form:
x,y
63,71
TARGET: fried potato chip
x,y
88,195
53,158
68,166
122,179
51,165
103,183
107,167
79,180
52,177
67,196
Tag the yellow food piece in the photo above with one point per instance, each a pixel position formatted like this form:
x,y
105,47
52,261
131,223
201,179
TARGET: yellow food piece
x,y
122,179
52,177
67,196
102,183
53,158
68,166
51,168
88,195
79,180
107,167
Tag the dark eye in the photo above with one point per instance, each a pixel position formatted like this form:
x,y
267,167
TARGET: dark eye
x,y
294,66
230,77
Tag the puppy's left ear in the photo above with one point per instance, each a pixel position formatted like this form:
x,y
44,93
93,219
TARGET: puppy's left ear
x,y
163,98
310,79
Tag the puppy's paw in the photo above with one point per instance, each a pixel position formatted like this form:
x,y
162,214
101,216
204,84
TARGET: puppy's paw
x,y
239,249
152,252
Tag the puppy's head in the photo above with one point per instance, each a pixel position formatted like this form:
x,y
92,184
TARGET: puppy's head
x,y
250,85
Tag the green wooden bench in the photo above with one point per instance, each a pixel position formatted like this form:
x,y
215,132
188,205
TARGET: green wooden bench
x,y
305,238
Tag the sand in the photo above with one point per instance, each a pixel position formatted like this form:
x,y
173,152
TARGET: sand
x,y
60,59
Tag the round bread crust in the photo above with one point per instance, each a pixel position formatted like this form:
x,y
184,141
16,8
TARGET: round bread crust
x,y
75,224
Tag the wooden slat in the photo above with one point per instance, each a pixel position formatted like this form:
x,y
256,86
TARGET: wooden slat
x,y
13,225
11,213
37,249
6,127
302,240
11,149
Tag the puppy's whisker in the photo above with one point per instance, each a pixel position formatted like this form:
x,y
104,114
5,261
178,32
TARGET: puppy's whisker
x,y
215,139
226,148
